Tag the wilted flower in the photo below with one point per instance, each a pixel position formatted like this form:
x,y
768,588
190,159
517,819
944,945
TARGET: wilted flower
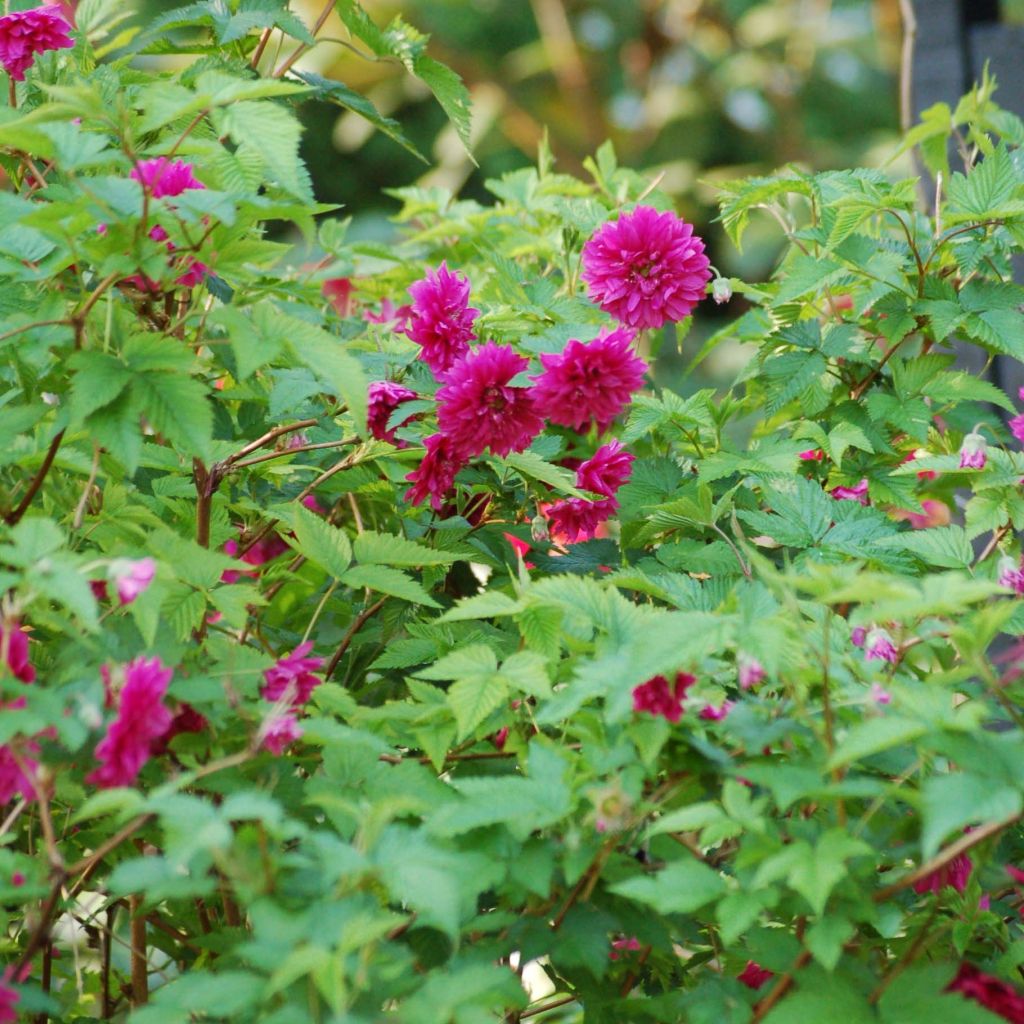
x,y
606,470
659,697
646,268
612,807
292,674
993,993
859,492
435,475
161,177
383,398
590,381
14,643
26,33
956,873
441,320
973,452
750,670
142,718
132,577
280,730
478,408
754,975
878,646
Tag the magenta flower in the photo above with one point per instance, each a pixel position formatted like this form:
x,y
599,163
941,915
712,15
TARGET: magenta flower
x,y
812,455
858,493
646,268
573,519
15,643
754,975
659,697
478,408
712,714
13,778
1017,427
606,470
390,314
441,319
9,999
292,675
26,33
142,718
991,992
750,671
1011,574
880,695
132,577
161,177
973,452
955,873
266,549
878,646
338,292
384,397
280,731
435,476
858,635
620,946
589,381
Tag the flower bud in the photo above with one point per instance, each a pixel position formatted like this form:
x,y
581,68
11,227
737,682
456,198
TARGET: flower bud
x,y
973,452
721,290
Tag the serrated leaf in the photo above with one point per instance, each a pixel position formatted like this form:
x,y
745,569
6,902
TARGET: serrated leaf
x,y
681,888
324,545
390,549
386,580
473,700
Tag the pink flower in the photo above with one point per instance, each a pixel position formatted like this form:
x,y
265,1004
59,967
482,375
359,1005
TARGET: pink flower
x,y
1011,574
712,714
17,879
973,452
658,697
266,549
292,674
186,720
15,643
589,381
435,476
161,177
132,578
384,397
1015,873
878,646
478,408
8,1001
142,718
750,671
441,320
575,518
645,268
500,738
936,513
993,993
338,292
13,778
26,33
620,946
811,455
857,493
390,314
1017,427
858,635
955,873
754,975
280,731
606,470
880,695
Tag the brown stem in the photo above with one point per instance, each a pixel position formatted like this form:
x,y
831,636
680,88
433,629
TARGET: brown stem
x,y
46,980
993,543
14,516
31,327
303,47
586,882
87,865
268,438
924,936
357,624
780,988
536,1011
907,63
256,460
140,973
261,46
207,481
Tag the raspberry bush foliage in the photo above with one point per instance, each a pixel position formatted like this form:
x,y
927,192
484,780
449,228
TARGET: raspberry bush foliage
x,y
381,644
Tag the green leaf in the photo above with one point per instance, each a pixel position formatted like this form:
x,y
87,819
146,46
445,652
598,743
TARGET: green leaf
x,y
177,407
472,701
450,92
681,888
874,736
277,131
471,661
324,545
945,546
386,580
959,799
920,994
390,549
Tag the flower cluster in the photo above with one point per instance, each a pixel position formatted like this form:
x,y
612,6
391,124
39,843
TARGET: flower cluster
x,y
441,320
23,34
288,684
142,719
603,473
660,697
646,268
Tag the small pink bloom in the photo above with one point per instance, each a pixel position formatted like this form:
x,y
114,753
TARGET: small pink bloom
x,y
500,737
280,731
390,314
857,493
589,382
754,975
292,674
1015,873
750,671
985,902
9,999
659,697
15,642
479,408
973,452
812,455
15,772
880,695
142,718
17,879
878,646
712,714
23,34
520,547
161,177
606,470
435,475
266,549
620,946
310,502
1011,574
646,268
858,635
441,319
956,873
384,397
132,578
936,513
1017,427
338,292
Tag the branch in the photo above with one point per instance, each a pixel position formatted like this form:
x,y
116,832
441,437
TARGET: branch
x,y
303,47
358,623
907,63
14,516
